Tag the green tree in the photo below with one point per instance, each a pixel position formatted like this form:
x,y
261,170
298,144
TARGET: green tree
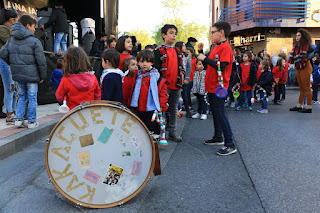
x,y
143,36
185,29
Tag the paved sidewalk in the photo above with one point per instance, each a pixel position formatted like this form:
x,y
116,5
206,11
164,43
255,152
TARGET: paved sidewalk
x,y
13,139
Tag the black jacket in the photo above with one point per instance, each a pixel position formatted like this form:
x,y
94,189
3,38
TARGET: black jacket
x,y
59,21
135,50
97,48
266,81
252,76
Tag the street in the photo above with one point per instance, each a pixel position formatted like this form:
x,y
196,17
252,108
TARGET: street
x,y
276,169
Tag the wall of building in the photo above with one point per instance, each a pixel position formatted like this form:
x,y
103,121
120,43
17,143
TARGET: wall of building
x,y
314,17
274,41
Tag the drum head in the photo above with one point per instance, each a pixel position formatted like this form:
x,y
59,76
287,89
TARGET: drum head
x,y
100,156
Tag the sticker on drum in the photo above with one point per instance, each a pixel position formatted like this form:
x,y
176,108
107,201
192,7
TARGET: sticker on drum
x,y
88,160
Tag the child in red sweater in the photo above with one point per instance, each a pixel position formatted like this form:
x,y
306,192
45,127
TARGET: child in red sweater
x,y
277,72
130,68
78,84
246,79
150,91
124,47
283,78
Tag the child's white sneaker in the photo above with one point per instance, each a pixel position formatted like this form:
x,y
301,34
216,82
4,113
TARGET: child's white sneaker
x,y
203,117
197,115
32,125
18,123
233,104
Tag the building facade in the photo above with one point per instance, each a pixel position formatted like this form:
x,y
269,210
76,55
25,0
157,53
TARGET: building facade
x,y
269,25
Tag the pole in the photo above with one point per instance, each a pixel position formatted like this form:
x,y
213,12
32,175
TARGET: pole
x,y
111,9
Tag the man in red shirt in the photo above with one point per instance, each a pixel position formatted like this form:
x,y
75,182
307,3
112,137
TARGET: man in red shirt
x,y
168,61
223,53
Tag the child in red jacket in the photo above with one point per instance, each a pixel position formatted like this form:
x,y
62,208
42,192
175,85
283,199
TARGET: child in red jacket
x,y
78,84
150,91
278,71
283,78
130,68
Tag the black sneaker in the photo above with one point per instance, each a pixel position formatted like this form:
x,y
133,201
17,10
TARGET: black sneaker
x,y
225,150
295,108
214,141
305,110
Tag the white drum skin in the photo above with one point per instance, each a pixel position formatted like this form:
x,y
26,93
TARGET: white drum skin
x,y
100,155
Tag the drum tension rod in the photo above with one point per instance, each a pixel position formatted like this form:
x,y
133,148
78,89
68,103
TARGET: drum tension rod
x,y
121,204
78,206
46,140
49,181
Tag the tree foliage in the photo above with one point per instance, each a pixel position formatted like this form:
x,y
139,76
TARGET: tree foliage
x,y
185,29
143,36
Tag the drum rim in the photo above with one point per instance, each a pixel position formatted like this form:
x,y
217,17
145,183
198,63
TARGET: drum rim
x,y
100,205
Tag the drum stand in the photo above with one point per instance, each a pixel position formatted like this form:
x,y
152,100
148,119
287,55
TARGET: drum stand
x,y
157,165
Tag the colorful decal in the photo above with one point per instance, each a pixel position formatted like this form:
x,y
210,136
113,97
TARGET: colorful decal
x,y
90,176
84,160
136,169
126,153
105,135
86,140
113,175
134,141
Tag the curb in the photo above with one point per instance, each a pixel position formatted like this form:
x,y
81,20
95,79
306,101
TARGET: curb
x,y
19,141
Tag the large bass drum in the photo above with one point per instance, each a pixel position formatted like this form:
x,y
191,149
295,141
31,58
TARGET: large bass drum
x,y
100,155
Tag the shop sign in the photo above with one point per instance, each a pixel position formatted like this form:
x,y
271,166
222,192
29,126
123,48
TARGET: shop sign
x,y
316,16
21,7
241,40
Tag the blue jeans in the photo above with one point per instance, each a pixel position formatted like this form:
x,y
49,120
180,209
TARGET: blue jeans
x,y
9,95
230,93
264,102
27,91
186,95
290,77
245,96
60,38
315,90
220,121
202,106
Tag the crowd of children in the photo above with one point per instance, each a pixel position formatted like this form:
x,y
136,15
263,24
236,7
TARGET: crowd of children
x,y
155,79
